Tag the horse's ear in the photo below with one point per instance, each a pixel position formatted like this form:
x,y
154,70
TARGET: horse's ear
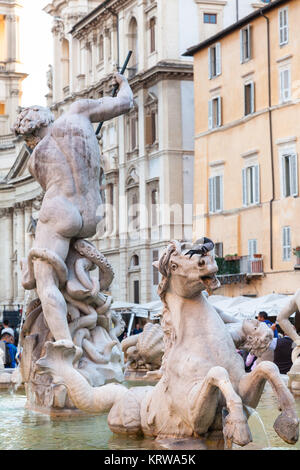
x,y
156,264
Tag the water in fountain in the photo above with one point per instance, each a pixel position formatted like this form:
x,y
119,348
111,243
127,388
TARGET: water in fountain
x,y
22,429
253,413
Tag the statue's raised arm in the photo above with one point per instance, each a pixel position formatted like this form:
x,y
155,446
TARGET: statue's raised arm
x,y
283,317
106,108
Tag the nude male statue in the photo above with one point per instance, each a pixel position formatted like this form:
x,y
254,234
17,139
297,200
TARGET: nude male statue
x,y
66,162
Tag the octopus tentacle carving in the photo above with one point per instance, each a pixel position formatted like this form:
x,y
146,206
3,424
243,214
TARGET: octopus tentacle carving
x,y
50,257
88,308
87,250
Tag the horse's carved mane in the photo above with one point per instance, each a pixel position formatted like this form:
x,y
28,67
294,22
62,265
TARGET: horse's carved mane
x,y
174,248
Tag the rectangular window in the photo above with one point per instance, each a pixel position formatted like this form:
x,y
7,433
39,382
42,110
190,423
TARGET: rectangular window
x,y
136,292
210,18
154,208
150,128
215,193
2,108
249,98
245,37
286,243
219,250
152,35
155,273
214,60
252,248
283,26
133,133
285,85
215,112
289,169
251,185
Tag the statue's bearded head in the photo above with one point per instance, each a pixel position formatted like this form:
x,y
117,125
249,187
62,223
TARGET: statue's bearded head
x,y
32,123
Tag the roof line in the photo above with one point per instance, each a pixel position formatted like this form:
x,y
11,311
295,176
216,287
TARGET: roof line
x,y
202,45
89,15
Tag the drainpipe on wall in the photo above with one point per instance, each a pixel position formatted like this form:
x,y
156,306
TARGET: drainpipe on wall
x,y
271,138
237,9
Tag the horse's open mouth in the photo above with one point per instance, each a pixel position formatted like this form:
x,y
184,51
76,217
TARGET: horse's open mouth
x,y
211,282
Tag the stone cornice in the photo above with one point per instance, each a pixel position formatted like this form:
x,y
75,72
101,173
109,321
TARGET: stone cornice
x,y
161,71
19,164
92,19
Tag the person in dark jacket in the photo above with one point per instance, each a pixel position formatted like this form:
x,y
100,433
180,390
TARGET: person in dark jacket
x,y
7,337
283,354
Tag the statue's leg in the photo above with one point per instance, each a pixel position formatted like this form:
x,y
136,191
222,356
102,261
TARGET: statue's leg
x,y
53,302
47,281
251,388
204,398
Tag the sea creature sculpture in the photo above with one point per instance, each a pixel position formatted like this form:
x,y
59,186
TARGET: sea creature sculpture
x,y
204,387
283,319
65,160
144,350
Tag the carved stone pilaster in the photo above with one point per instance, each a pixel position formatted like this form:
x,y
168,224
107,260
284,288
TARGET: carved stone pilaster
x,y
11,18
6,211
58,29
19,206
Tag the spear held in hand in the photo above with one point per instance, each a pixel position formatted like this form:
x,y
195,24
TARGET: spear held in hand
x,y
115,87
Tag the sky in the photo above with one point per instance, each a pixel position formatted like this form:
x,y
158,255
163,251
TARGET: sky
x,y
36,51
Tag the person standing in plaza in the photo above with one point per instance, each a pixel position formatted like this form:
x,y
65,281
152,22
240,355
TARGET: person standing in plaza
x,y
263,316
7,337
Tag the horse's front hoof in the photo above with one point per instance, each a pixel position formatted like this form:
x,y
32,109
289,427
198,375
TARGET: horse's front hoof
x,y
287,427
236,431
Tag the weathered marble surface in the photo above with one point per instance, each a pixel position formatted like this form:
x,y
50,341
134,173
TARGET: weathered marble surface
x,y
204,389
288,328
143,352
73,306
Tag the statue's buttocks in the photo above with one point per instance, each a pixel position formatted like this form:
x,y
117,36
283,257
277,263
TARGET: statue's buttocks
x,y
67,165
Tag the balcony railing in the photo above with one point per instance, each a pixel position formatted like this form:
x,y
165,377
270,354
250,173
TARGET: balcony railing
x,y
238,269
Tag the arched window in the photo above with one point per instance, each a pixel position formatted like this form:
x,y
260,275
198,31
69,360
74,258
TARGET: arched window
x,y
133,46
65,62
101,49
133,210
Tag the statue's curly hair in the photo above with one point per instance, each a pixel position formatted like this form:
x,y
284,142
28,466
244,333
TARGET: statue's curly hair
x,y
32,118
258,342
